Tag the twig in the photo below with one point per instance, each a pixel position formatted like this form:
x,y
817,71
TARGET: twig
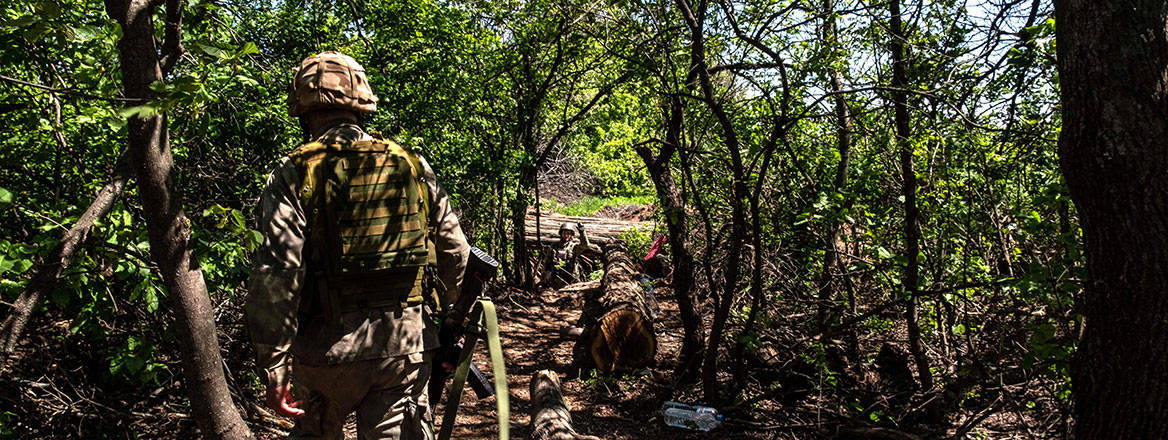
x,y
70,92
977,418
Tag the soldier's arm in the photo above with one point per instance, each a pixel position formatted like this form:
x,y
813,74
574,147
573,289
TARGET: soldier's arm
x,y
450,242
586,247
277,273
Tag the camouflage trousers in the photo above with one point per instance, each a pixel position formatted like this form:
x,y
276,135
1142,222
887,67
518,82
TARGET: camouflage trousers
x,y
388,395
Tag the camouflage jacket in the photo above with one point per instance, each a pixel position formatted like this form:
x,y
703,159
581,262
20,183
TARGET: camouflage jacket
x,y
273,315
573,248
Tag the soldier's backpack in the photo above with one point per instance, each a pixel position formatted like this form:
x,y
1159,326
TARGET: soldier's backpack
x,y
370,240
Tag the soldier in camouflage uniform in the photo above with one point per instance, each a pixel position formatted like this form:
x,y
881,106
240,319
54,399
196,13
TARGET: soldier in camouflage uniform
x,y
357,236
566,261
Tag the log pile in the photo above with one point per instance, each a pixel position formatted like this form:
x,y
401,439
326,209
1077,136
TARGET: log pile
x,y
550,417
599,230
618,326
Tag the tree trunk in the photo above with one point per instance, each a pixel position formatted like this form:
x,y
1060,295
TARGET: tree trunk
x,y
843,141
524,266
675,222
550,417
1113,70
618,326
50,270
912,230
828,308
169,229
696,23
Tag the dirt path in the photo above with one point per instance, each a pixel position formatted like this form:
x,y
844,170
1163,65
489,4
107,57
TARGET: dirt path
x,y
624,407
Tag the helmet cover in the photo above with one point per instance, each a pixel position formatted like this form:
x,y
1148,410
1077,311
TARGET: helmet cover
x,y
330,80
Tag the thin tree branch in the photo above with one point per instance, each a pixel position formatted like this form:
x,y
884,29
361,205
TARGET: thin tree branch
x,y
69,92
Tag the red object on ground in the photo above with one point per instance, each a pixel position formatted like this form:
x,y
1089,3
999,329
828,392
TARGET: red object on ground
x,y
656,248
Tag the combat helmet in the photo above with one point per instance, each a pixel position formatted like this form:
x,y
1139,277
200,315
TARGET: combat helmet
x,y
330,80
569,226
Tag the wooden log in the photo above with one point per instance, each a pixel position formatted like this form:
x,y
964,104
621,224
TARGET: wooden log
x,y
583,286
550,417
567,332
598,229
618,324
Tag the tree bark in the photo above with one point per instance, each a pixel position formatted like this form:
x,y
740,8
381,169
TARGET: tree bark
x,y
695,22
50,270
550,417
676,225
618,326
912,229
524,266
169,229
843,142
1113,70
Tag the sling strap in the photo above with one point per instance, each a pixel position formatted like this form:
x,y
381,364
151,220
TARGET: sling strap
x,y
482,317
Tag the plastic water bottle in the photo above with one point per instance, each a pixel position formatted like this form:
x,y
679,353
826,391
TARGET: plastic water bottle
x,y
650,299
699,418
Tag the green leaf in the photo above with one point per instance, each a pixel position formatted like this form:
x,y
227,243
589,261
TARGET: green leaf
x,y
48,10
247,81
22,266
85,33
211,50
248,49
5,197
36,31
139,111
20,22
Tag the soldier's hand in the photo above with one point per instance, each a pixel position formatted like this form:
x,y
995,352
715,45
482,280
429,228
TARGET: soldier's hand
x,y
280,400
279,395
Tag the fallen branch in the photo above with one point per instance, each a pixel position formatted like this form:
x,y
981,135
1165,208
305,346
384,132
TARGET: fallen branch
x,y
586,286
49,272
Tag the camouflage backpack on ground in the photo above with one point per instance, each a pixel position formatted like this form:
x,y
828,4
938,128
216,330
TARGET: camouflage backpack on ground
x,y
370,242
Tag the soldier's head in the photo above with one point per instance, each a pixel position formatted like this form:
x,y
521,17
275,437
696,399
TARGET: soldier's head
x,y
329,86
567,231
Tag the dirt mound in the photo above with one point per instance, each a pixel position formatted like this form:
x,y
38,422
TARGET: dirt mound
x,y
628,213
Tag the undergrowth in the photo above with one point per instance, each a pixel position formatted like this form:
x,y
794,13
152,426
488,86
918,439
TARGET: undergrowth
x,y
590,205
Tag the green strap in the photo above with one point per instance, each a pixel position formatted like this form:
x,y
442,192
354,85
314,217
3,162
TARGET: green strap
x,y
502,391
484,316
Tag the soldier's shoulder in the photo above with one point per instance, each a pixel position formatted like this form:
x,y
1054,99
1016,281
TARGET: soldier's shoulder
x,y
408,144
307,150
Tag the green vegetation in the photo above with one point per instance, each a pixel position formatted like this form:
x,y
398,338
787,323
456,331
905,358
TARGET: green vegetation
x,y
787,140
638,241
590,205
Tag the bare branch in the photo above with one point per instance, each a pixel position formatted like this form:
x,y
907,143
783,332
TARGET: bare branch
x,y
70,92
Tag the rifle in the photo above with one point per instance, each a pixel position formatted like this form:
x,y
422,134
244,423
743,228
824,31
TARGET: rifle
x,y
480,268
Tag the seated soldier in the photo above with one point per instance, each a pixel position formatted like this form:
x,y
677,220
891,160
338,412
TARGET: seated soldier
x,y
563,263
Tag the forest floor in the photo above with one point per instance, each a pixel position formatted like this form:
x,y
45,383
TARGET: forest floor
x,y
615,407
612,407
57,386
